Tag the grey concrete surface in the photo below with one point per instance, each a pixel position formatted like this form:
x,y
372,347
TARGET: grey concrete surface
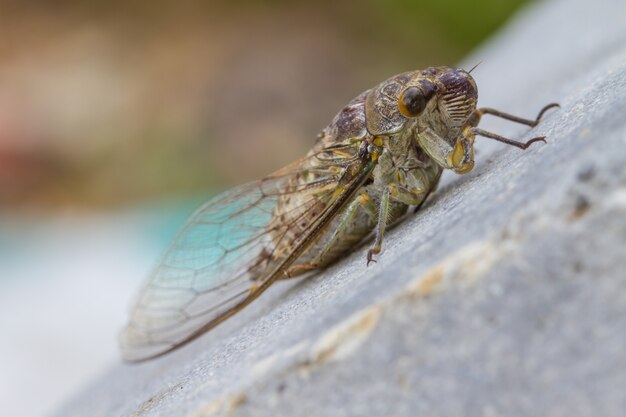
x,y
504,296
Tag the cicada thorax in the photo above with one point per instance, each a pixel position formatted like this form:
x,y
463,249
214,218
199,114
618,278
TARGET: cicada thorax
x,y
348,125
381,106
403,161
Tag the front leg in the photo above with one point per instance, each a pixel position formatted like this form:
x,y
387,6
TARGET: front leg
x,y
459,158
478,114
399,193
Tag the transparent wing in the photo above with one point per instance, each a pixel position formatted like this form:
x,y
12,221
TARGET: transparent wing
x,y
221,257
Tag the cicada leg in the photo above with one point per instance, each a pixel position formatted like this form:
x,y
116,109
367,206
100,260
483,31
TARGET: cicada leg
x,y
477,115
399,193
361,201
459,157
517,144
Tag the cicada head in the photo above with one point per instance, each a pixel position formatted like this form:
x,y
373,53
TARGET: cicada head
x,y
438,100
441,98
453,105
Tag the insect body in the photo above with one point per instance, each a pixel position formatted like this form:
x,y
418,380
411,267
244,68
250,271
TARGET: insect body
x,y
383,153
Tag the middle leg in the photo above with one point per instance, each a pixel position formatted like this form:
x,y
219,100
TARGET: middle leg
x,y
399,193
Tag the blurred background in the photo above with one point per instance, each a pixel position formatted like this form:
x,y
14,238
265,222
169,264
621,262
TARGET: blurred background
x,y
117,118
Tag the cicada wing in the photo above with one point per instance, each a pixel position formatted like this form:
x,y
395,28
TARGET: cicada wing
x,y
217,261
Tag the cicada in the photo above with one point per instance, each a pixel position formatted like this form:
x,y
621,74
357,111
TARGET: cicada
x,y
383,153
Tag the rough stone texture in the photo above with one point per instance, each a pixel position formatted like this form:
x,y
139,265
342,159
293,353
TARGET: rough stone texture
x,y
505,295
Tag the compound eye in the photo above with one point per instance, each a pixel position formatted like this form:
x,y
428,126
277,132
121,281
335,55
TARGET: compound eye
x,y
413,100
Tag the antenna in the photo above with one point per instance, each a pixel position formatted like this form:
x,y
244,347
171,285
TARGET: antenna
x,y
474,67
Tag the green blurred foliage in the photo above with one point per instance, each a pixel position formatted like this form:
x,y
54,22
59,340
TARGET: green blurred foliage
x,y
463,23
